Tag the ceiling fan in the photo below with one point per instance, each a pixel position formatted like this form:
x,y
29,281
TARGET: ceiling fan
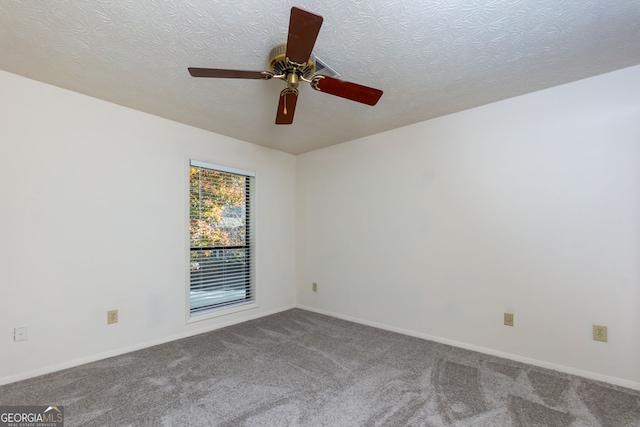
x,y
292,63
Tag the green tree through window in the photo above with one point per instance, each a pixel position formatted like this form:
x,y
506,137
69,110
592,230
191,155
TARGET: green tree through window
x,y
220,237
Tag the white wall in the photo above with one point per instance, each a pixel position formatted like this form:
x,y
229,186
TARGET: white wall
x,y
529,205
93,217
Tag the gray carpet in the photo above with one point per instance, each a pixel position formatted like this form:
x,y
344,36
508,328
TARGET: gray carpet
x,y
299,368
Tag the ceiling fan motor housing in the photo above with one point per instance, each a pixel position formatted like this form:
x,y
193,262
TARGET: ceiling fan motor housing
x,y
280,65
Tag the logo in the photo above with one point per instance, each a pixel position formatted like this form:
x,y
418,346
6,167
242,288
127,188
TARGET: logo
x,y
31,416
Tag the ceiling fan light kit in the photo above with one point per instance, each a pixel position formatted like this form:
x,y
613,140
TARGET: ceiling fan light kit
x,y
292,63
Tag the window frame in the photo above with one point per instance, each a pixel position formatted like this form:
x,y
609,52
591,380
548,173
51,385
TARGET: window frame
x,y
242,305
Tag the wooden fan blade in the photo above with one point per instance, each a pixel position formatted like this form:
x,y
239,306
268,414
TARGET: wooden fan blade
x,y
225,74
286,106
348,90
303,32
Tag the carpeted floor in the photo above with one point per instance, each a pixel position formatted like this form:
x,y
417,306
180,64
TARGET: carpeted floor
x,y
299,368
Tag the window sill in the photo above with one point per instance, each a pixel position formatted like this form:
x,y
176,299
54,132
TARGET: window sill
x,y
213,313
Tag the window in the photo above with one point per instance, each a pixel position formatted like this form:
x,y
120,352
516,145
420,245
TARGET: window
x,y
220,237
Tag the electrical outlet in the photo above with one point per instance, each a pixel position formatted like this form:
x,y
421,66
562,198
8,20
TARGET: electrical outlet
x,y
314,287
20,333
508,319
600,333
112,316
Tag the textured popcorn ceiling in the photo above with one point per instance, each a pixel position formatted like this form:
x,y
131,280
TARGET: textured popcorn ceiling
x,y
429,57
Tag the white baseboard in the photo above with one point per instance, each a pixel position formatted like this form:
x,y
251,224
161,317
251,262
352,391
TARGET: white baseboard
x,y
560,368
95,357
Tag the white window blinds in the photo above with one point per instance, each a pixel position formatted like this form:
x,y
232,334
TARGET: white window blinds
x,y
220,237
